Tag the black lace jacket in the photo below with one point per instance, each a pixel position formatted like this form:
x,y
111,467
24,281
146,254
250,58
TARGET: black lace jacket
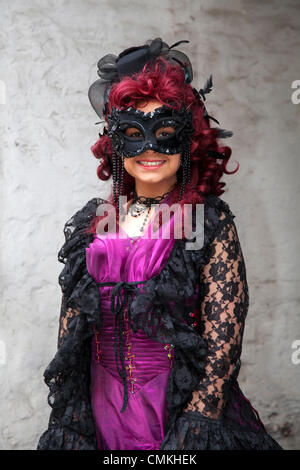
x,y
203,389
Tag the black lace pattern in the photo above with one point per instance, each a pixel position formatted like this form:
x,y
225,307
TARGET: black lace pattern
x,y
71,424
202,387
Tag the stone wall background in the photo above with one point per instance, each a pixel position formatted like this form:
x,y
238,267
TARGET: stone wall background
x,y
49,50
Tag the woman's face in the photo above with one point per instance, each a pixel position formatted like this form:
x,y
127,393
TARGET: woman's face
x,y
163,173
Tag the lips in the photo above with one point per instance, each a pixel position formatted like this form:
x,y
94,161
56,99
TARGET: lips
x,y
151,161
151,164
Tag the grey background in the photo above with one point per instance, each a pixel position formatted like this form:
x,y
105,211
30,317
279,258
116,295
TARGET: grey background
x,y
49,50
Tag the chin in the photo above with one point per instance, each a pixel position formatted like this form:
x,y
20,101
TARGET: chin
x,y
149,179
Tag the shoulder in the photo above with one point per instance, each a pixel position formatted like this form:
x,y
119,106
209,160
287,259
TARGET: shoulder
x,y
85,213
217,214
214,205
76,226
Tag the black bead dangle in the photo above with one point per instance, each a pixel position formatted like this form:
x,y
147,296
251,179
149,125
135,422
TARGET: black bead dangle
x,y
186,169
118,178
188,162
118,174
121,185
115,179
183,181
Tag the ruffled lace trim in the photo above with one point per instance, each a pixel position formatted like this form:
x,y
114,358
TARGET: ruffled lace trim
x,y
192,431
64,438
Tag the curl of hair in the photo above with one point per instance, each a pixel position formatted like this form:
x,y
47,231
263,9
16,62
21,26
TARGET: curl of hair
x,y
165,82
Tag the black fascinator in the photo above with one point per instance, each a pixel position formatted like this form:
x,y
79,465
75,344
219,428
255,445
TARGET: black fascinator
x,y
112,68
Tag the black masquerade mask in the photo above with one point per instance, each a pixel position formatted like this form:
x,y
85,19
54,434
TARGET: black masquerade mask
x,y
163,130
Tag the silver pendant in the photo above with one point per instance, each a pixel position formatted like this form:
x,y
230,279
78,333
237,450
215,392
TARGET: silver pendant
x,y
137,209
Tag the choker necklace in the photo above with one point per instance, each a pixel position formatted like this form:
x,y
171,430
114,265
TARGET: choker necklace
x,y
140,204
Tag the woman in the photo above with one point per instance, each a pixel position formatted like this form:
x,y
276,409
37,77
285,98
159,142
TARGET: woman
x,y
151,328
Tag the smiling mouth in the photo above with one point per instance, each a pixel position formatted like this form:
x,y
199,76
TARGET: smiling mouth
x,y
151,163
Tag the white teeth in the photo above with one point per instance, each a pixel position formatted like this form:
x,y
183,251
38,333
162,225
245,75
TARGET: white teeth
x,y
151,163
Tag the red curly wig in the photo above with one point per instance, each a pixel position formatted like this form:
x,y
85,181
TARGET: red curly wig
x,y
166,83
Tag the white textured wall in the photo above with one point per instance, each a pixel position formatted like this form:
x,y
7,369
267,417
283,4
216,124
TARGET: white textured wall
x,y
49,50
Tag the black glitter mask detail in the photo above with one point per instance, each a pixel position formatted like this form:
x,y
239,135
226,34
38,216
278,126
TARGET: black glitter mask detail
x,y
149,129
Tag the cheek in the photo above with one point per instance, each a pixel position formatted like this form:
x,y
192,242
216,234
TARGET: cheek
x,y
129,166
175,162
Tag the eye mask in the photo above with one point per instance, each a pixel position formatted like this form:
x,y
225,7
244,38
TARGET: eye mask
x,y
163,130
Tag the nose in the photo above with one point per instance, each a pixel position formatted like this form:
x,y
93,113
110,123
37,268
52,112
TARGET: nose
x,y
150,152
146,153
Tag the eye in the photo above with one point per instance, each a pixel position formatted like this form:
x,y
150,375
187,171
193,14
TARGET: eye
x,y
165,131
133,132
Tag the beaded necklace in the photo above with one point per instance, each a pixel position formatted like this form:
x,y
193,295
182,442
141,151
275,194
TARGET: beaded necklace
x,y
140,204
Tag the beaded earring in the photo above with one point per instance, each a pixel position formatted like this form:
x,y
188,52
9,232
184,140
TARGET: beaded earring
x,y
118,183
185,161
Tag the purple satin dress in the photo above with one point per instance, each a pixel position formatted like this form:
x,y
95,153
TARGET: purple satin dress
x,y
143,423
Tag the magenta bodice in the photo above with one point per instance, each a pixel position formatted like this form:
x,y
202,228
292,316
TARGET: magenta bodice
x,y
148,362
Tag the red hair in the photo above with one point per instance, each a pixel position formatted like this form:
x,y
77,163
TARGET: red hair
x,y
166,83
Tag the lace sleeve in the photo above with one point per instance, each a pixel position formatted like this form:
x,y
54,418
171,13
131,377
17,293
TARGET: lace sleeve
x,y
224,301
66,314
223,311
71,424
